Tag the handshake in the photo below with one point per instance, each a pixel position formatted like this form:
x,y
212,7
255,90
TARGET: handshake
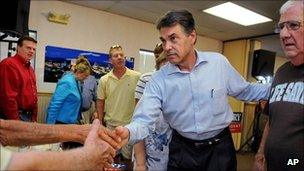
x,y
101,144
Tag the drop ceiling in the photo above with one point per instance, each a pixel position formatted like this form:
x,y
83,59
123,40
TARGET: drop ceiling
x,y
206,24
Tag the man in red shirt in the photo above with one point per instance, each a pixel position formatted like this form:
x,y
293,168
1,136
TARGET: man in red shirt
x,y
18,97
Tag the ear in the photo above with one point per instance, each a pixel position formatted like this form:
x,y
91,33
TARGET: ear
x,y
110,60
193,37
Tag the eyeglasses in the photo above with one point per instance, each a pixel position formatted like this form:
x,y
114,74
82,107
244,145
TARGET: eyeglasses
x,y
115,47
290,25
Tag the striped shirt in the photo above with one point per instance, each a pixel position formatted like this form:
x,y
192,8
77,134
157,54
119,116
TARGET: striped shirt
x,y
140,87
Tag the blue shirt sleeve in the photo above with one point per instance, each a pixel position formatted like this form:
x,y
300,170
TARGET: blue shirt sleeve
x,y
142,121
239,88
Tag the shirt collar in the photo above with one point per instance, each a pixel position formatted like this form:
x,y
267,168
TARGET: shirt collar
x,y
127,73
201,58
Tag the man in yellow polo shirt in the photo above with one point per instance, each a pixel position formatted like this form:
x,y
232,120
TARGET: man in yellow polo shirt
x,y
115,96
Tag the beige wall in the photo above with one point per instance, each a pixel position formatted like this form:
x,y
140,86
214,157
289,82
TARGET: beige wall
x,y
93,30
279,61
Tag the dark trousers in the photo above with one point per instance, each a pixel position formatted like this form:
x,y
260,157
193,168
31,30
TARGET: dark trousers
x,y
215,154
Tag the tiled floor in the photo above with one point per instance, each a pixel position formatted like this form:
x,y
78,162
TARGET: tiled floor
x,y
244,161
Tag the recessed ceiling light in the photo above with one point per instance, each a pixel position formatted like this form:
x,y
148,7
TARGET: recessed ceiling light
x,y
237,14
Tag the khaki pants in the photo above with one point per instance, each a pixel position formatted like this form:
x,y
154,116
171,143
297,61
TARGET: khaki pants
x,y
87,115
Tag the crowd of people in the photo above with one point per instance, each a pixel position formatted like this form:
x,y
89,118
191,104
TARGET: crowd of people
x,y
175,118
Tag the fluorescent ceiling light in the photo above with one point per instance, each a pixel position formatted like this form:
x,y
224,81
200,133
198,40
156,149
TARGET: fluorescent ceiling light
x,y
237,14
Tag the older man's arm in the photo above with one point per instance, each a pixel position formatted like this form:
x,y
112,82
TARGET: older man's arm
x,y
259,160
17,133
95,155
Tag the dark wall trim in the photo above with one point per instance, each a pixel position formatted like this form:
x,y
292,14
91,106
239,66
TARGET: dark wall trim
x,y
263,35
146,50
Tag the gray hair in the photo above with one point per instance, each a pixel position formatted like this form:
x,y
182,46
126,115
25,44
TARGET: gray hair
x,y
289,4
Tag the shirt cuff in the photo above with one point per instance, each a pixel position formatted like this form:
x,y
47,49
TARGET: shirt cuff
x,y
137,132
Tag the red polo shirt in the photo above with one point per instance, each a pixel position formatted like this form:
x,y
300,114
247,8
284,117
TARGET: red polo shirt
x,y
17,87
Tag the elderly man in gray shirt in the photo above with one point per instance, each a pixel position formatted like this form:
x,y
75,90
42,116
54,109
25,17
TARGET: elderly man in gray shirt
x,y
89,88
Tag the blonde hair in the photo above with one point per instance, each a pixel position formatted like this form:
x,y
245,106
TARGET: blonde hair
x,y
158,50
161,58
112,48
82,65
159,55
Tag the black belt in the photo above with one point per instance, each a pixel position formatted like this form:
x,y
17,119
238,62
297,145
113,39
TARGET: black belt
x,y
25,115
203,143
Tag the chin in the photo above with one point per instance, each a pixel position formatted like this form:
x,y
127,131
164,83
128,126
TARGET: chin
x,y
290,55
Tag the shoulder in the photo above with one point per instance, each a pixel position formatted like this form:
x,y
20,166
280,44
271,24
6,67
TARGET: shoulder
x,y
284,67
146,76
133,73
10,61
212,56
90,80
67,78
105,77
214,59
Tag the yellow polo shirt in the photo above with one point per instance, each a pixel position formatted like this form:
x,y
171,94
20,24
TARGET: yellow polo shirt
x,y
5,157
119,96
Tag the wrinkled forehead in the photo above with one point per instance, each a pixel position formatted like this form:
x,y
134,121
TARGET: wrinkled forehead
x,y
116,51
167,32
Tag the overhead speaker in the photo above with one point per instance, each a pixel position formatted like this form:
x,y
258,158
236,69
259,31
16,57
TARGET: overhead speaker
x,y
14,16
263,63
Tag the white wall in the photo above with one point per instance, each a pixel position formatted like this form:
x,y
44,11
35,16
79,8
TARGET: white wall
x,y
93,30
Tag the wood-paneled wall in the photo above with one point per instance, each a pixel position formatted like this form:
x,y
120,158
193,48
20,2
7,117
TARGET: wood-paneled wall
x,y
237,52
43,103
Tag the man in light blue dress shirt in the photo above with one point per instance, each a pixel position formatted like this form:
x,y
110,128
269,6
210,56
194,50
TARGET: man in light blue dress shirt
x,y
192,93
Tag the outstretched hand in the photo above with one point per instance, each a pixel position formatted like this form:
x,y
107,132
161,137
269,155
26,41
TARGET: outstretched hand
x,y
99,152
109,136
123,133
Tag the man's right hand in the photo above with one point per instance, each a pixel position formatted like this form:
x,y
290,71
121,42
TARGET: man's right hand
x,y
110,137
123,133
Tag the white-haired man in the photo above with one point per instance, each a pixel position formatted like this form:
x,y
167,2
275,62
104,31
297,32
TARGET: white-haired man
x,y
282,145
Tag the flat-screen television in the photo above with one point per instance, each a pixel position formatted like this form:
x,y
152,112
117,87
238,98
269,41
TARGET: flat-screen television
x,y
263,63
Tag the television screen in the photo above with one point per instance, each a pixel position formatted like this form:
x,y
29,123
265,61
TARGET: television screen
x,y
263,63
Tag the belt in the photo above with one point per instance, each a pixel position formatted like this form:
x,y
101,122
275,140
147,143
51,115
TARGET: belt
x,y
203,143
25,115
2,116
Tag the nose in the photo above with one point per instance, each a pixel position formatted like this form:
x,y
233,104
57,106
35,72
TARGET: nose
x,y
167,46
284,33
